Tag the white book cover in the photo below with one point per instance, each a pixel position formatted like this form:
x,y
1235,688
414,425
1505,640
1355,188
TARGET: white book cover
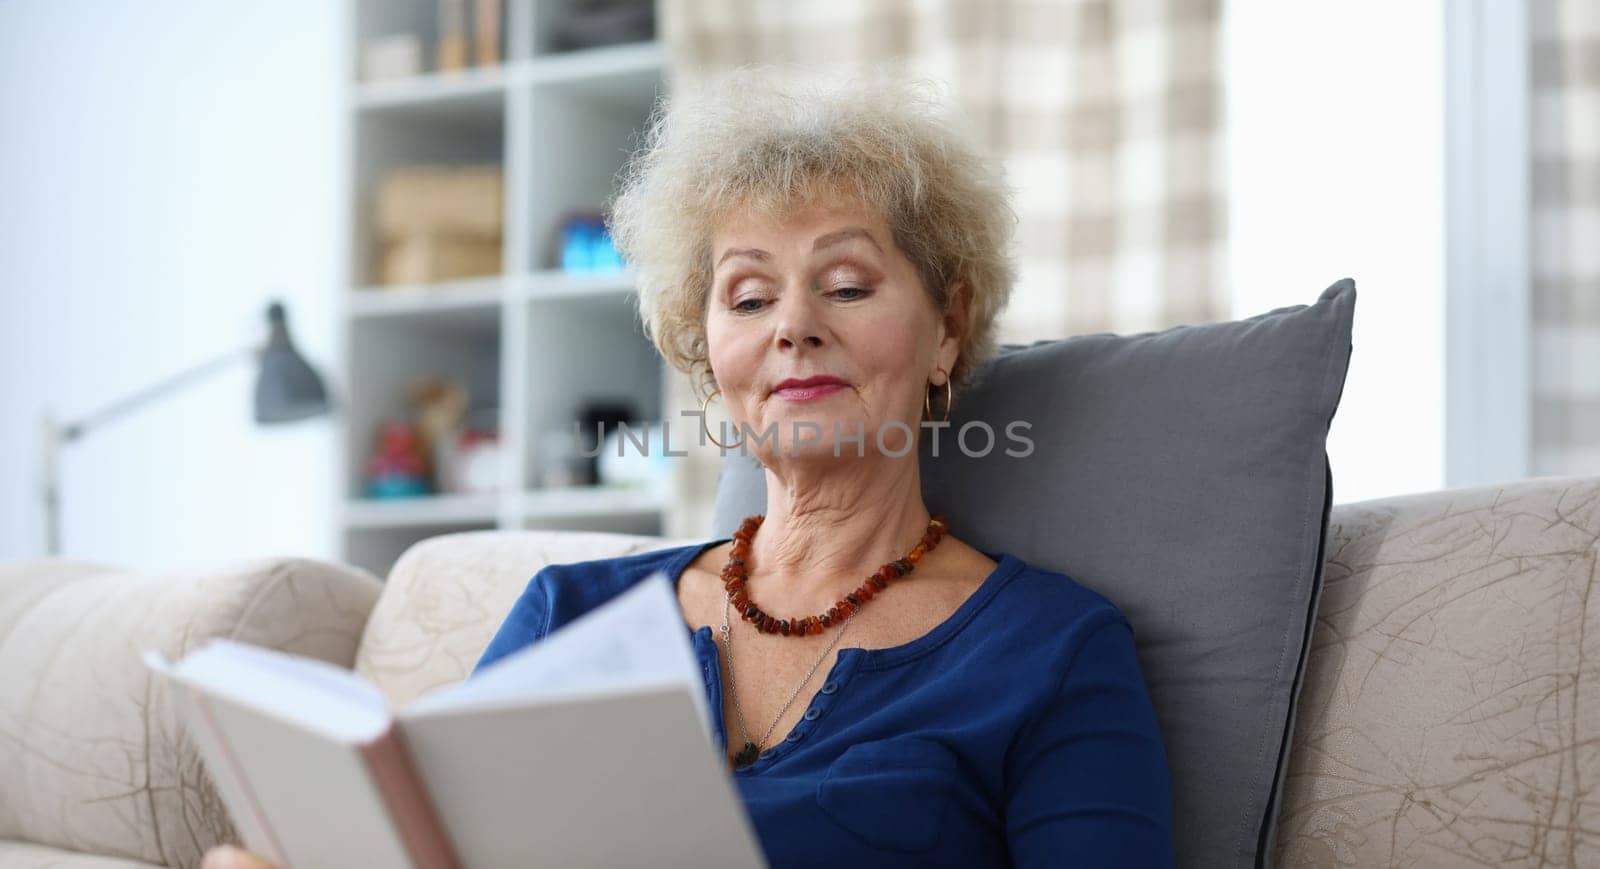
x,y
591,747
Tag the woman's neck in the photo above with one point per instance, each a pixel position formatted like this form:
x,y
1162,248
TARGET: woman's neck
x,y
828,527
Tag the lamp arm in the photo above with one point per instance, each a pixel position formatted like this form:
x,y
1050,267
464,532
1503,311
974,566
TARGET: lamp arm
x,y
53,434
71,431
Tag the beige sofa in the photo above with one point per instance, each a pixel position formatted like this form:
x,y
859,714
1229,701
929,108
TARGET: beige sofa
x,y
1450,717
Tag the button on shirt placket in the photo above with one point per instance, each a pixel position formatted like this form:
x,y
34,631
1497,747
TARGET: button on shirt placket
x,y
820,704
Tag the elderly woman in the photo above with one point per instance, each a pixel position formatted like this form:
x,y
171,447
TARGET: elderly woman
x,y
831,263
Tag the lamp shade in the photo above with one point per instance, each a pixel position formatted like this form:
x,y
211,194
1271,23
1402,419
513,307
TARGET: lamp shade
x,y
287,387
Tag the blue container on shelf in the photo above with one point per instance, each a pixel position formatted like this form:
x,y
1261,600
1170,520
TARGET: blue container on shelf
x,y
603,254
586,245
575,244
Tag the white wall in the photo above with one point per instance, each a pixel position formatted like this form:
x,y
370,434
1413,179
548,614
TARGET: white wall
x,y
1336,163
168,167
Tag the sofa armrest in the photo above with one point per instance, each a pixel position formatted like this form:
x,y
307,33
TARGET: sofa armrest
x,y
93,756
1449,710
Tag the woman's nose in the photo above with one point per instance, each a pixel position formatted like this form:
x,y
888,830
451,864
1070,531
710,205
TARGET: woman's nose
x,y
798,320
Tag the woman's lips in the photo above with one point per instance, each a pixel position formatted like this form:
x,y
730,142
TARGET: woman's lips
x,y
807,393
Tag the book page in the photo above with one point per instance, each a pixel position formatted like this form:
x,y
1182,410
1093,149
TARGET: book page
x,y
634,641
312,694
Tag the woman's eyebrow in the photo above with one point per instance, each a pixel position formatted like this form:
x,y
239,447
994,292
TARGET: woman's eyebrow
x,y
751,252
845,234
828,240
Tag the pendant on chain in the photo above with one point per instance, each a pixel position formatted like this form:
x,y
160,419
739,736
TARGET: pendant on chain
x,y
747,755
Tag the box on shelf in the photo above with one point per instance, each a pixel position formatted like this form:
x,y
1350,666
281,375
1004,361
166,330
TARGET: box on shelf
x,y
465,200
395,56
425,259
437,223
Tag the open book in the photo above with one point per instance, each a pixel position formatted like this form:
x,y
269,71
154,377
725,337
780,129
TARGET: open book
x,y
592,747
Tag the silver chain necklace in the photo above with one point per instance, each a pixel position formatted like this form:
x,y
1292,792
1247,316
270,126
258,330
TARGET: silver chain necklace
x,y
751,750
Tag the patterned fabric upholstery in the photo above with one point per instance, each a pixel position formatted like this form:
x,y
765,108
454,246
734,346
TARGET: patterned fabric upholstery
x,y
1451,712
446,596
92,755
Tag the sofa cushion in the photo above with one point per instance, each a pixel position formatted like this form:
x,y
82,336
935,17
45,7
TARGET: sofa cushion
x,y
93,757
447,595
1181,474
1451,711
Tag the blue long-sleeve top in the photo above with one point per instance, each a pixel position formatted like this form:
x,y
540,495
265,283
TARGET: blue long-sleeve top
x,y
1018,732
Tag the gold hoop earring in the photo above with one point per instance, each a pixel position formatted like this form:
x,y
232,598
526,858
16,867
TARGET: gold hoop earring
x,y
707,428
927,405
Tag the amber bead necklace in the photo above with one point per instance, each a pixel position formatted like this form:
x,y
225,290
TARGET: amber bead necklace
x,y
736,574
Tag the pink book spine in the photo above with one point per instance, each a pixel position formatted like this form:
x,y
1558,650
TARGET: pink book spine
x,y
403,793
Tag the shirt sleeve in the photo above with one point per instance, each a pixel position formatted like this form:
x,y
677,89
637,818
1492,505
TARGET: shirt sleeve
x,y
527,623
1087,777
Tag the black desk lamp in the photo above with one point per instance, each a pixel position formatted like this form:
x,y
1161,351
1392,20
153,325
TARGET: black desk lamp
x,y
287,390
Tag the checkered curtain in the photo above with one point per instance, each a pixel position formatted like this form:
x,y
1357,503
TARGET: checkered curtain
x,y
1106,113
1565,78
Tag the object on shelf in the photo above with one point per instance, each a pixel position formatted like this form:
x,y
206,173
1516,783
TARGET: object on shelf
x,y
470,462
464,200
437,223
398,55
560,464
586,244
593,23
439,406
486,32
430,258
637,457
399,468
595,419
452,53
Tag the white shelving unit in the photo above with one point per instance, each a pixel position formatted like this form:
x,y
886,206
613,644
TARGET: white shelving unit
x,y
533,342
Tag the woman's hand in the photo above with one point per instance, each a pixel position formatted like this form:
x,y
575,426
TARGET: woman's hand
x,y
233,857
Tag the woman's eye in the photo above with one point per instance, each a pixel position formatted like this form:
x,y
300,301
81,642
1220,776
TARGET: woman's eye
x,y
740,305
850,292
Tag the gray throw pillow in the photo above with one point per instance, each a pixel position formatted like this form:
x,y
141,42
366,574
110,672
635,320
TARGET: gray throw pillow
x,y
1183,475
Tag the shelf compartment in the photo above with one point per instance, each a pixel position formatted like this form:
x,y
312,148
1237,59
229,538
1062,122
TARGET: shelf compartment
x,y
579,142
582,349
387,352
387,141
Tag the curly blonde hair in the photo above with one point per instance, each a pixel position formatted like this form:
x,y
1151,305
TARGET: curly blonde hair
x,y
746,141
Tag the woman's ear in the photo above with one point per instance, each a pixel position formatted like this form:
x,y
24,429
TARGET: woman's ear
x,y
954,327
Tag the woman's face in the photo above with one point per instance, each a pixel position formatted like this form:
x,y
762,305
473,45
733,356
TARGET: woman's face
x,y
822,292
